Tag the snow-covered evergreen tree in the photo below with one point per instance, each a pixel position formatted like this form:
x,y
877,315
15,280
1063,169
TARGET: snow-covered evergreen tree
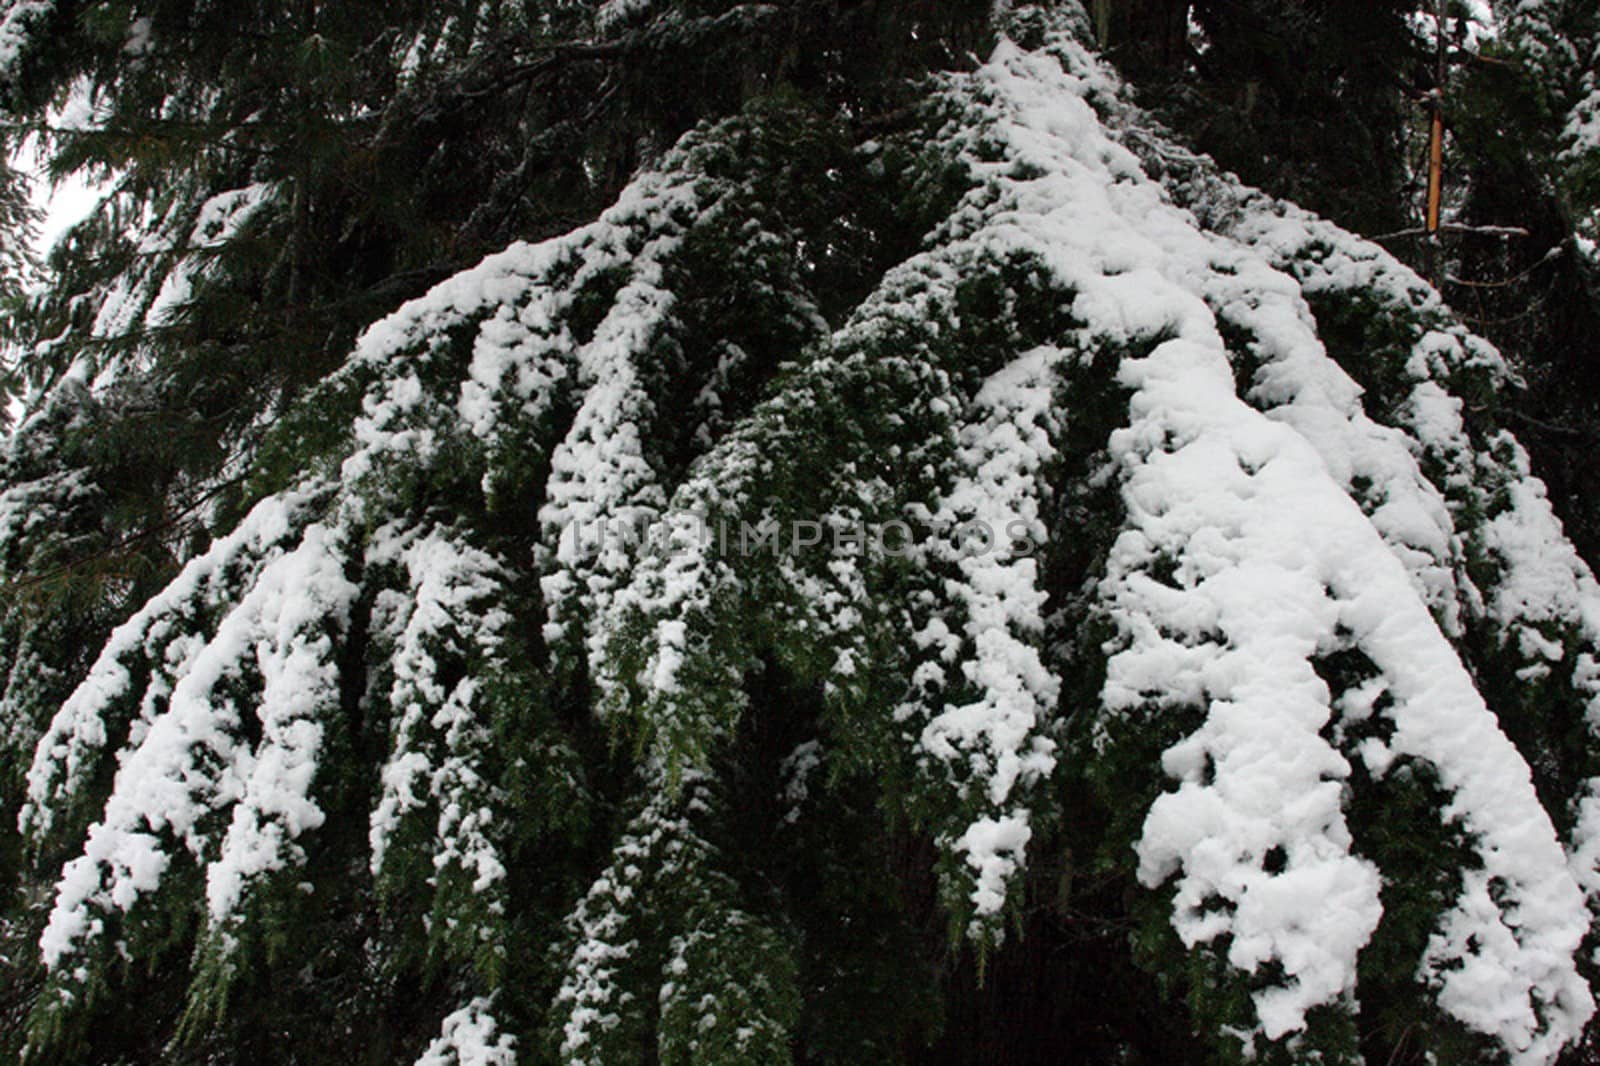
x,y
933,537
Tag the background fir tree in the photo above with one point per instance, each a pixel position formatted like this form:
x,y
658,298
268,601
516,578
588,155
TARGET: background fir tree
x,y
332,730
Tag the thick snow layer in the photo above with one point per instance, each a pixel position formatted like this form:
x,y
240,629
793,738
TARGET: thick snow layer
x,y
191,763
471,1037
1227,498
1543,601
1275,559
997,738
1244,555
164,634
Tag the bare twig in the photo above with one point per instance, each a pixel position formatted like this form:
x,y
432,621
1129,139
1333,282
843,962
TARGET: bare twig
x,y
1451,227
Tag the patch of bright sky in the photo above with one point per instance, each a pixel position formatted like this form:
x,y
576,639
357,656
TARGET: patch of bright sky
x,y
66,202
61,204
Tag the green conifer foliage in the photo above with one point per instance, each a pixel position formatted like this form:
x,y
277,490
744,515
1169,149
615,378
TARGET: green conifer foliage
x,y
922,516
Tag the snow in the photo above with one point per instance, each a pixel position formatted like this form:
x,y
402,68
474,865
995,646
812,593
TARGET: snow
x,y
218,220
1469,25
1243,507
977,760
604,926
524,353
1285,560
997,738
18,21
470,1036
612,15
1000,590
160,633
59,204
599,476
1141,268
796,772
1265,524
1272,561
305,601
1555,42
440,736
176,244
1541,586
995,849
191,764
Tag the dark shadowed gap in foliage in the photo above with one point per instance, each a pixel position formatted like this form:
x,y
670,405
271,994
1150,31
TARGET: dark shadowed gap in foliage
x,y
1532,295
1062,990
1306,100
854,889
